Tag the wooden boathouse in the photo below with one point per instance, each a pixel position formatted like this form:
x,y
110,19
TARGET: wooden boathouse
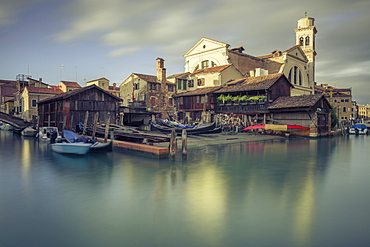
x,y
67,110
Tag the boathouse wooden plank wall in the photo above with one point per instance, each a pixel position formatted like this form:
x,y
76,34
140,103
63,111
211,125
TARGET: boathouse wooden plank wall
x,y
67,110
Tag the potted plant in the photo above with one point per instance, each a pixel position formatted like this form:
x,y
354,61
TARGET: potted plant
x,y
253,99
261,99
236,99
228,99
220,99
243,99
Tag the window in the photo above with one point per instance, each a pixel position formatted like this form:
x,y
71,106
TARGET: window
x,y
171,88
295,76
200,82
153,101
33,103
184,84
170,101
137,85
205,64
152,86
179,84
344,109
301,41
307,40
190,83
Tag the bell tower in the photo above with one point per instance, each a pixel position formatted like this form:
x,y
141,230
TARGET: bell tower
x,y
306,38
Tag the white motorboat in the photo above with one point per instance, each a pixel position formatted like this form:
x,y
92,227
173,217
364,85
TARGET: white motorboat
x,y
6,126
29,131
46,132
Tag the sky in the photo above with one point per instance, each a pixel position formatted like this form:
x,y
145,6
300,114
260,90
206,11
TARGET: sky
x,y
83,40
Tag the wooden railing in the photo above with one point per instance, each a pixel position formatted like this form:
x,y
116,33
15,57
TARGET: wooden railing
x,y
242,107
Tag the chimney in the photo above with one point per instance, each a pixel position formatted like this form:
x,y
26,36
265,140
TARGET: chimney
x,y
161,71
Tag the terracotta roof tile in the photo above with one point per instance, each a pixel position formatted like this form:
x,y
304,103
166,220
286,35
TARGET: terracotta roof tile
x,y
211,69
296,101
178,75
199,91
149,78
251,83
44,90
71,84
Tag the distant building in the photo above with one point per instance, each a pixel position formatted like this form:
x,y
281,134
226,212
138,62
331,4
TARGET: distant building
x,y
297,63
104,84
340,99
153,93
205,77
7,89
67,86
364,111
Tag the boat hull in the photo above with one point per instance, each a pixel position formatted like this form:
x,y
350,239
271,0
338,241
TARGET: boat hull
x,y
200,129
102,147
358,129
71,148
30,132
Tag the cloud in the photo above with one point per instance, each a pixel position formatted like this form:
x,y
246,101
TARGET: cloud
x,y
10,10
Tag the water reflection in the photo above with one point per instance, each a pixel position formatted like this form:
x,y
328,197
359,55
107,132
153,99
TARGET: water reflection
x,y
278,193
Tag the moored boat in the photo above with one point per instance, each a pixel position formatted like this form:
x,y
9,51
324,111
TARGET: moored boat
x,y
78,148
102,147
96,146
197,129
358,129
45,133
29,131
6,126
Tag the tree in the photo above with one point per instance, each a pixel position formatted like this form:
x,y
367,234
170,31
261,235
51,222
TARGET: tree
x,y
334,118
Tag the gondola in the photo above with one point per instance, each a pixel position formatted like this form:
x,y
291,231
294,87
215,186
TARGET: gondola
x,y
196,130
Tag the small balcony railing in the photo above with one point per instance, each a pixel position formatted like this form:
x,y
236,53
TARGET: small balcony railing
x,y
242,107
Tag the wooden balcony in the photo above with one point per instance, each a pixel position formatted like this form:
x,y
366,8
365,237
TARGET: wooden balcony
x,y
249,107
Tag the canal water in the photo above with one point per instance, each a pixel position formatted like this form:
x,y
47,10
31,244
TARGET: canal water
x,y
298,192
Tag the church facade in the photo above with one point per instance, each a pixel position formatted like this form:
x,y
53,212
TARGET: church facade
x,y
297,63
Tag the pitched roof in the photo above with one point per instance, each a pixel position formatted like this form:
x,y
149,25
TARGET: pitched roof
x,y
251,83
178,75
149,78
71,84
296,101
199,91
8,83
211,69
44,90
77,91
103,78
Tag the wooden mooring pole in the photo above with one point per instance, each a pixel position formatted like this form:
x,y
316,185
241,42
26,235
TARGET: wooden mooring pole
x,y
85,123
184,147
173,145
107,127
96,117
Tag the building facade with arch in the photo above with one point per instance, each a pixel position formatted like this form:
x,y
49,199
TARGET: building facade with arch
x,y
297,62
